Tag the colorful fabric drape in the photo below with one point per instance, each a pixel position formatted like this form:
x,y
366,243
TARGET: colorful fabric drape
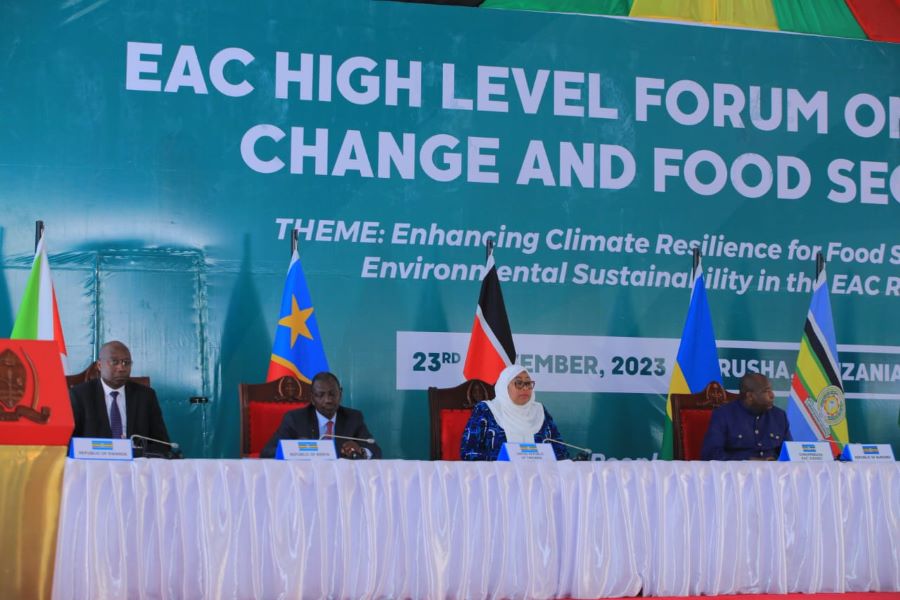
x,y
30,487
877,20
880,19
823,17
757,14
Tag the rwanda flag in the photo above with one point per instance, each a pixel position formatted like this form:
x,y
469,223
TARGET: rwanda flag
x,y
298,347
697,362
816,409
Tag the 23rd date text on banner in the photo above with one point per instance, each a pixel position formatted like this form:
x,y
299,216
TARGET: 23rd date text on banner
x,y
560,363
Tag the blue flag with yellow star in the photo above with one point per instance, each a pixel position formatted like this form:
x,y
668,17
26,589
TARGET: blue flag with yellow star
x,y
298,347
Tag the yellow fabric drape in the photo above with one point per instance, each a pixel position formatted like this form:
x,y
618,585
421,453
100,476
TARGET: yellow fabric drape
x,y
30,488
757,14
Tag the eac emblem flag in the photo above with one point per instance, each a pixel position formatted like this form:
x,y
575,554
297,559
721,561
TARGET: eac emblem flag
x,y
34,399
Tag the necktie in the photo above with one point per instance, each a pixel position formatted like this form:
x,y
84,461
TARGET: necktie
x,y
115,417
329,429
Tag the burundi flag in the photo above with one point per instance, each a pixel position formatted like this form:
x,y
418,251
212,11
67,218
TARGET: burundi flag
x,y
697,362
816,410
491,346
38,317
298,347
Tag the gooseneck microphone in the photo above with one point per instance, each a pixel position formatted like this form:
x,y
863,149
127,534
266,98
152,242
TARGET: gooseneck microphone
x,y
135,436
579,448
583,453
175,451
347,437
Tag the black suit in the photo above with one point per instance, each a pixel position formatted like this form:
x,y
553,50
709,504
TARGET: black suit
x,y
302,424
142,413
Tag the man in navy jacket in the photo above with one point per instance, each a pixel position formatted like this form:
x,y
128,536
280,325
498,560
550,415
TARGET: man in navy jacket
x,y
750,428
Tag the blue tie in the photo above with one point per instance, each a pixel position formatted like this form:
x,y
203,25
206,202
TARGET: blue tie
x,y
115,417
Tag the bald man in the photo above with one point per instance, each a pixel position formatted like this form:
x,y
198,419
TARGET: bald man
x,y
114,407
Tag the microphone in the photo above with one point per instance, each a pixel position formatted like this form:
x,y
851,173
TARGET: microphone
x,y
583,453
134,437
347,437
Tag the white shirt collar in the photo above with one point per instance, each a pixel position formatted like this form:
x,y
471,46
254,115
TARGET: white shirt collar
x,y
323,420
107,389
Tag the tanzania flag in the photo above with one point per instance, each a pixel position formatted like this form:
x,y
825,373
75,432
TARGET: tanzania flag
x,y
298,347
816,410
697,362
491,347
38,317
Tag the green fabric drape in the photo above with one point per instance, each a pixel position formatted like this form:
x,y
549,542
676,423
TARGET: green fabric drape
x,y
823,17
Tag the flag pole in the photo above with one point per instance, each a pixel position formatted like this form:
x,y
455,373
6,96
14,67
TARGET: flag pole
x,y
820,264
695,258
38,233
295,241
490,248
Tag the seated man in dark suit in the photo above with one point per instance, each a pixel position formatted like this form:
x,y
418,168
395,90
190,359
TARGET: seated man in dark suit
x,y
750,428
114,407
322,418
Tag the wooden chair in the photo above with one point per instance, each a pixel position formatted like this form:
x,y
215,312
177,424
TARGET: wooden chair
x,y
449,410
263,406
93,372
690,418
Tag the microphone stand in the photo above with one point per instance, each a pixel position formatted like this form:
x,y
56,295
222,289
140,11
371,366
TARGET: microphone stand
x,y
137,443
365,451
583,453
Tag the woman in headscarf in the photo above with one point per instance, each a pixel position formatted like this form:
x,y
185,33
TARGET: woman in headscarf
x,y
512,416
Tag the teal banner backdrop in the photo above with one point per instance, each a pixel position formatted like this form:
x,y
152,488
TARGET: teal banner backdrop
x,y
171,148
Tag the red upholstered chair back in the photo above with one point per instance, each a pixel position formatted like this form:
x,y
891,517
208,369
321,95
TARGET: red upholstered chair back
x,y
690,418
93,372
263,406
449,410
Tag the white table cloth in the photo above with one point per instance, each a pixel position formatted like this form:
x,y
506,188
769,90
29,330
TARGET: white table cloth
x,y
408,529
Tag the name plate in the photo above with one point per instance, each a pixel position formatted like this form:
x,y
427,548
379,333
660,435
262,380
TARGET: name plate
x,y
100,449
524,452
806,452
859,452
305,450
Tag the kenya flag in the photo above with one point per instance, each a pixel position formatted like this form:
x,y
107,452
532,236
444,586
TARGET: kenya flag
x,y
491,346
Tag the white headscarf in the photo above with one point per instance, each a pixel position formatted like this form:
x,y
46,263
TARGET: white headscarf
x,y
519,422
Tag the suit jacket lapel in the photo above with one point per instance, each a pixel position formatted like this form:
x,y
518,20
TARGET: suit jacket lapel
x,y
340,425
100,408
131,405
313,422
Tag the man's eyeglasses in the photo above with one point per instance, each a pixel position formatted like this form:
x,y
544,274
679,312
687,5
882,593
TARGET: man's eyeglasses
x,y
521,384
119,362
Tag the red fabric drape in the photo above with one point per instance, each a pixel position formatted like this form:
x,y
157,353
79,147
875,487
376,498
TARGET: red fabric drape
x,y
880,19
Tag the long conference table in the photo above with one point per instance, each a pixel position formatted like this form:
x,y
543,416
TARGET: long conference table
x,y
409,529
